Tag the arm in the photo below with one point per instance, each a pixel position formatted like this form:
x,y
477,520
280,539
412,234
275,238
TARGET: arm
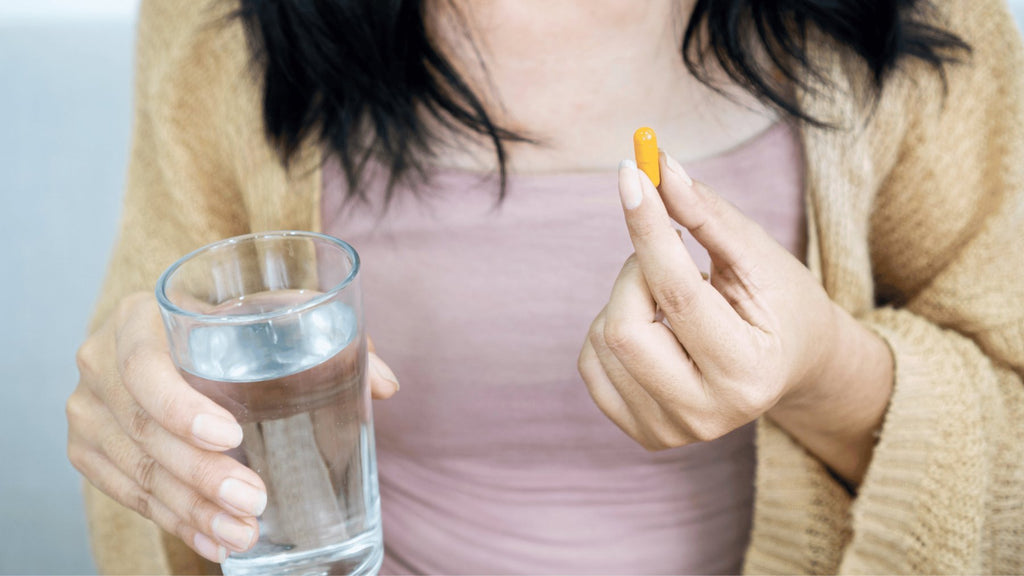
x,y
937,372
949,457
179,195
180,191
944,482
839,416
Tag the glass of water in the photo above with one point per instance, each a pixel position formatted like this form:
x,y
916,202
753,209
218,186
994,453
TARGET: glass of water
x,y
270,326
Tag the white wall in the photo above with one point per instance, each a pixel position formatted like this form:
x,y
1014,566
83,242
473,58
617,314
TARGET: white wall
x,y
65,101
65,109
20,10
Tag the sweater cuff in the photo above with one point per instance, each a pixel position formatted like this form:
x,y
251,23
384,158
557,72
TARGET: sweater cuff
x,y
919,506
801,512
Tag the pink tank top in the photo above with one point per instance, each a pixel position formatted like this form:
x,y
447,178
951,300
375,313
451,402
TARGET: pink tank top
x,y
493,458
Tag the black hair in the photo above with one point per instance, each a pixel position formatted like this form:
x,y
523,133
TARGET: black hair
x,y
880,32
363,75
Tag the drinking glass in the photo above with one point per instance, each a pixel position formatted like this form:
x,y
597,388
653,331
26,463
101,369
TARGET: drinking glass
x,y
270,326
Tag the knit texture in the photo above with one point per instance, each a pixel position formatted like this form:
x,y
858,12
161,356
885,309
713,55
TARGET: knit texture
x,y
915,212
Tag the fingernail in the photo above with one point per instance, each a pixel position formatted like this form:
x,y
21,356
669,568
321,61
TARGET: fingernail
x,y
243,496
382,371
232,532
217,430
209,549
674,166
629,185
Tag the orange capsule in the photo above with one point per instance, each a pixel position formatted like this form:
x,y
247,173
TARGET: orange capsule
x,y
645,146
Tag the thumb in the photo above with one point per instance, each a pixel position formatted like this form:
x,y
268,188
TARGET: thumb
x,y
383,383
731,239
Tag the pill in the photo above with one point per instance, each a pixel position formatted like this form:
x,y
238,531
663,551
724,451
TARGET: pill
x,y
645,146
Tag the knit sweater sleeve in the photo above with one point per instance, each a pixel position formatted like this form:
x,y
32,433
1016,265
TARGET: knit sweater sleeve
x,y
945,489
180,191
180,194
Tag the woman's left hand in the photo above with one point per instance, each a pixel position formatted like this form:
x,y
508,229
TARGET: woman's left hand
x,y
762,333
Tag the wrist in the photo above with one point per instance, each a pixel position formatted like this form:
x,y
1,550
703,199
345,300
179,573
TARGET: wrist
x,y
823,362
836,412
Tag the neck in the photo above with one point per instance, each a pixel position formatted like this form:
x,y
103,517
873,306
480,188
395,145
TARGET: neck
x,y
578,77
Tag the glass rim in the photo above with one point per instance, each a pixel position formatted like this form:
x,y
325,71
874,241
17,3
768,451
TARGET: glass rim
x,y
170,307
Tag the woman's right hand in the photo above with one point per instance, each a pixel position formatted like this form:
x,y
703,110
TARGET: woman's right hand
x,y
143,436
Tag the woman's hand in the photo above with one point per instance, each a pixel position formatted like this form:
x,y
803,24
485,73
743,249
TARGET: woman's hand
x,y
762,336
147,439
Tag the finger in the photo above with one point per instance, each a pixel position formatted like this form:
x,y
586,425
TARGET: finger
x,y
646,349
107,478
195,484
633,299
637,400
731,239
701,318
217,476
383,382
148,373
603,393
238,534
656,426
660,385
650,229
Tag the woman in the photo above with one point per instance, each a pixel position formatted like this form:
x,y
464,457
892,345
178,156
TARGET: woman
x,y
878,145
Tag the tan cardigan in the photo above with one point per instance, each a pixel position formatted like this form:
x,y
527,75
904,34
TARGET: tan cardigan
x,y
920,205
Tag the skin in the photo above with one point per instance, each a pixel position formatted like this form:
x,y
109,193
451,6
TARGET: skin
x,y
135,430
625,52
761,338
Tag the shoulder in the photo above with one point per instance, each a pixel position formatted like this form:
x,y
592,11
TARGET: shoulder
x,y
995,53
986,26
955,171
197,95
192,63
973,17
170,31
934,161
968,113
